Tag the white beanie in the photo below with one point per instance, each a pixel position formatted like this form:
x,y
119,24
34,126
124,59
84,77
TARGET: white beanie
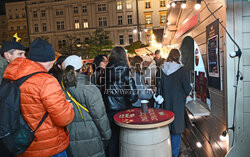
x,y
74,61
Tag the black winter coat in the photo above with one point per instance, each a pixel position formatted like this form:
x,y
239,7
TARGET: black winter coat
x,y
120,89
174,89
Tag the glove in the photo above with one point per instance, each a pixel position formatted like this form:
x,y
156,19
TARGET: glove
x,y
159,99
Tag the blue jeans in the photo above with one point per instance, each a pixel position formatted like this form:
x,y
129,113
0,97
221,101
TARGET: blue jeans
x,y
175,144
62,154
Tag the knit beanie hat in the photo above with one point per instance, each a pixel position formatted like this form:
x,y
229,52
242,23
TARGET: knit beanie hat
x,y
41,51
74,61
6,46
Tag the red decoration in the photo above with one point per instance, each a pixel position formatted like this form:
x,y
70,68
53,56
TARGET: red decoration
x,y
188,25
135,116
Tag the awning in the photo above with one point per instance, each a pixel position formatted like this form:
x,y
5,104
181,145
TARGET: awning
x,y
145,50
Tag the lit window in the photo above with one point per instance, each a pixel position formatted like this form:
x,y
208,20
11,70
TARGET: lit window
x,y
84,9
77,24
128,5
147,5
163,18
148,19
119,20
85,23
162,3
119,5
129,19
121,39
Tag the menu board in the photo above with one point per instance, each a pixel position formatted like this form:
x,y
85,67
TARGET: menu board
x,y
212,49
135,116
213,55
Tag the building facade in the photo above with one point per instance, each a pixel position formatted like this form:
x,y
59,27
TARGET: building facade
x,y
55,20
3,29
16,20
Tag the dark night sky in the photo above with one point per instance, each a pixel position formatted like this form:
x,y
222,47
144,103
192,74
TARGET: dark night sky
x,y
2,2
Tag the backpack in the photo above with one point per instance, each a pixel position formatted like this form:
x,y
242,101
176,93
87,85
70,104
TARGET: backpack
x,y
15,134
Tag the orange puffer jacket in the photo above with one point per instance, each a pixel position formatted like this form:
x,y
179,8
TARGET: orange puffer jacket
x,y
41,93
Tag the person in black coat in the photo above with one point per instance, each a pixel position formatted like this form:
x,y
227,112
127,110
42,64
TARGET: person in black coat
x,y
175,87
119,94
99,64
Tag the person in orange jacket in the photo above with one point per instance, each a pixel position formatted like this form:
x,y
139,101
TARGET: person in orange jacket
x,y
42,93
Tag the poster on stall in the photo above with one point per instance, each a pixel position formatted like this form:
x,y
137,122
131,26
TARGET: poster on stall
x,y
213,56
201,78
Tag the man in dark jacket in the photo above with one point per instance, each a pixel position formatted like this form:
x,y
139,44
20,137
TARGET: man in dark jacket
x,y
9,51
158,59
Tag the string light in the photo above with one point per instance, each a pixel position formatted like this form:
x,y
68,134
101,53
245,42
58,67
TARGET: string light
x,y
173,4
183,5
197,6
168,6
198,144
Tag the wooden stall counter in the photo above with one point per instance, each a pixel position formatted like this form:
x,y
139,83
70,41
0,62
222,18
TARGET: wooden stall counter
x,y
144,135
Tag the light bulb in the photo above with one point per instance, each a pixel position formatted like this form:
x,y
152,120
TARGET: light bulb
x,y
197,6
173,4
168,6
183,5
198,144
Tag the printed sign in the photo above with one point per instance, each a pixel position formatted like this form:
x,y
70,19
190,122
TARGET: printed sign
x,y
135,116
213,56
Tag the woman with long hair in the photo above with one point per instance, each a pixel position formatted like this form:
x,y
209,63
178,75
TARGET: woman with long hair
x,y
175,87
56,70
119,94
99,64
90,127
143,90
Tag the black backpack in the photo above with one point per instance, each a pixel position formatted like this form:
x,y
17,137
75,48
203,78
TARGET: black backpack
x,y
15,134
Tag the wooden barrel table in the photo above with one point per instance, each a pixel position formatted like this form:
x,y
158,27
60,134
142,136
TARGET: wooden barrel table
x,y
144,135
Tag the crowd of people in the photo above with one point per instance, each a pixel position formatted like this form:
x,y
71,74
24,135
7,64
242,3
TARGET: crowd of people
x,y
81,105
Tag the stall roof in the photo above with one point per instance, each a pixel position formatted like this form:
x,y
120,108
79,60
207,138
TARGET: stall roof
x,y
145,50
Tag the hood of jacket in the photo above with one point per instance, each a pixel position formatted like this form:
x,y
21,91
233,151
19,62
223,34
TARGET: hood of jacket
x,y
170,67
22,67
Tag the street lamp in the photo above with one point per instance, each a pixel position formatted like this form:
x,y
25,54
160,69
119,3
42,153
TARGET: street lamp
x,y
138,24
